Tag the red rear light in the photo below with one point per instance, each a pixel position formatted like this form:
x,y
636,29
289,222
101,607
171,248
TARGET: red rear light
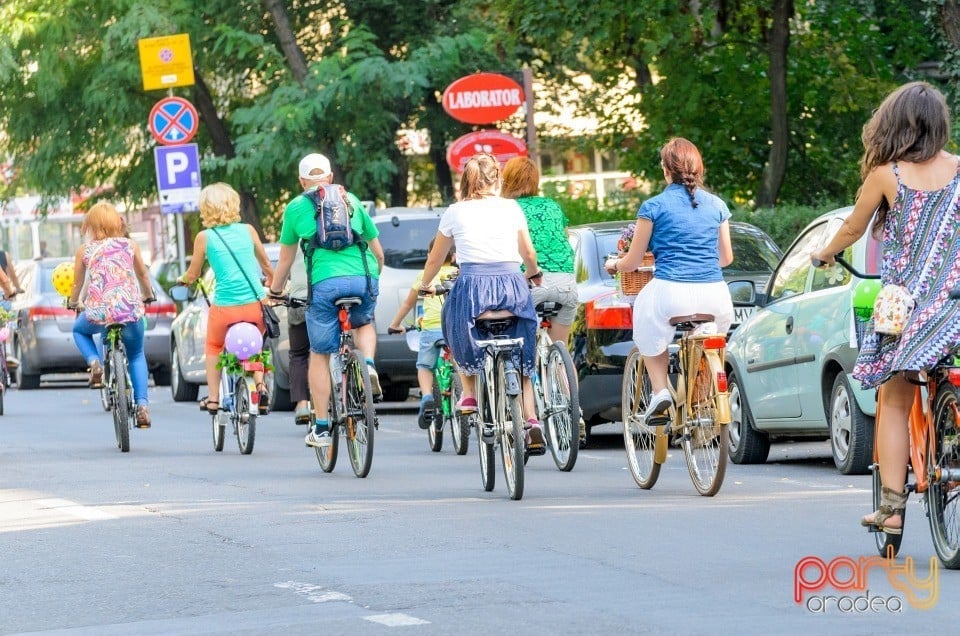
x,y
608,312
48,313
252,366
721,381
953,375
162,309
714,342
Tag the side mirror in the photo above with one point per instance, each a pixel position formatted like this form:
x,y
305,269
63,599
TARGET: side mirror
x,y
180,293
742,292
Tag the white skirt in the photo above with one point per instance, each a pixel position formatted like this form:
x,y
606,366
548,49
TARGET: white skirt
x,y
661,300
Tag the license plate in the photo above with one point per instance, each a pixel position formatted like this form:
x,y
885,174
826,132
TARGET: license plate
x,y
742,313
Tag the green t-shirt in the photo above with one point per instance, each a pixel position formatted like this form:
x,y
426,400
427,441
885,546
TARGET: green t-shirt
x,y
547,225
299,222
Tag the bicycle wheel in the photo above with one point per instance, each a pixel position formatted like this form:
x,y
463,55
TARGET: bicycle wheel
x,y
121,409
327,457
483,420
4,377
435,430
704,440
105,400
459,426
562,405
943,496
360,420
246,422
509,425
887,544
639,440
219,431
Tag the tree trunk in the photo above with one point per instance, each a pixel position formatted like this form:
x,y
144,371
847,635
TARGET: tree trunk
x,y
223,145
288,41
779,43
443,175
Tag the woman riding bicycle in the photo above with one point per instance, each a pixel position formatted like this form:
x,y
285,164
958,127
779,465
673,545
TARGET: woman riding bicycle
x,y
234,251
116,281
491,241
688,232
910,181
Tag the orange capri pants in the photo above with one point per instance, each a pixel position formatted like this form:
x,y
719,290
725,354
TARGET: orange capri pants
x,y
220,318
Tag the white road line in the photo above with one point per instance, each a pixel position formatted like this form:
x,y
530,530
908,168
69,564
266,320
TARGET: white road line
x,y
313,593
395,620
73,509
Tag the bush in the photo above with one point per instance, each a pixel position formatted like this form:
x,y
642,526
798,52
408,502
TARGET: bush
x,y
584,209
783,223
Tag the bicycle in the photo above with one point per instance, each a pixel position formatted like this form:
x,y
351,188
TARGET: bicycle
x,y
498,419
6,378
556,392
117,387
934,462
351,401
698,419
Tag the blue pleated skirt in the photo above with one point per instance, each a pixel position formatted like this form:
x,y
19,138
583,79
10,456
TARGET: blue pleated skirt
x,y
483,287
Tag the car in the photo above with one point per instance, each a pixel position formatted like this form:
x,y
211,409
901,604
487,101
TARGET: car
x,y
43,340
789,365
602,331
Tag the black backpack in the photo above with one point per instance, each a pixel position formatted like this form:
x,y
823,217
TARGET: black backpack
x,y
333,212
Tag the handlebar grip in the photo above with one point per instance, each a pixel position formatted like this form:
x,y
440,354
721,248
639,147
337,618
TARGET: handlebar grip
x,y
391,331
818,263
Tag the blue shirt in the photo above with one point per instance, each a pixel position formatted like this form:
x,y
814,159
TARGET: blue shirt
x,y
685,239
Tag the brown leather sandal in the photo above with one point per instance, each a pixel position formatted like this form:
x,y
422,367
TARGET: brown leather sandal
x,y
210,406
143,416
892,504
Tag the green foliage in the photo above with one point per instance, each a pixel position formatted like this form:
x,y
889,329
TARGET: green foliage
x,y
784,222
234,365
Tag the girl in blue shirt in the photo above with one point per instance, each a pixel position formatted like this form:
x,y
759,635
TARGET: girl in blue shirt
x,y
688,232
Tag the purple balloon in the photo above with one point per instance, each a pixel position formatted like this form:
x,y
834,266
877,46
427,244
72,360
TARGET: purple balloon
x,y
243,340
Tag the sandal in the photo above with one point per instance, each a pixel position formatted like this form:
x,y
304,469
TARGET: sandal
x,y
205,405
892,504
143,416
263,403
303,415
96,375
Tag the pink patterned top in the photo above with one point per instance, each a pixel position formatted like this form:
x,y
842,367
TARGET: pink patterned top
x,y
113,293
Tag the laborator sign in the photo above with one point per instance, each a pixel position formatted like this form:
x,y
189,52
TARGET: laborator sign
x,y
482,98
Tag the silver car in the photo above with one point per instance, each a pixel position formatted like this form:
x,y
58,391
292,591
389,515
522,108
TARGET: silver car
x,y
43,341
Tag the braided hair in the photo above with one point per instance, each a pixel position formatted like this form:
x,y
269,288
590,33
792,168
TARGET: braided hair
x,y
683,164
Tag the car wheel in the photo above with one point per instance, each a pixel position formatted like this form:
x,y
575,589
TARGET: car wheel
x,y
396,392
182,390
280,398
25,381
851,430
747,444
161,376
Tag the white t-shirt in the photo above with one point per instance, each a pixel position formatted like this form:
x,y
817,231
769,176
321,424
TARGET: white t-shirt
x,y
484,230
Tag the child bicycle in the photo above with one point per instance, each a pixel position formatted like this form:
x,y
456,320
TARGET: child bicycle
x,y
556,392
698,419
351,401
934,434
6,318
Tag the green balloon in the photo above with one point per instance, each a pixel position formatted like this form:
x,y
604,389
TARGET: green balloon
x,y
864,295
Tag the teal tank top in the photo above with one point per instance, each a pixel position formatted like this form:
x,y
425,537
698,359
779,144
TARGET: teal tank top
x,y
232,287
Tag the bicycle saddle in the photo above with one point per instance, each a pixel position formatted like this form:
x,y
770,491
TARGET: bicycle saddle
x,y
687,323
548,309
495,321
348,301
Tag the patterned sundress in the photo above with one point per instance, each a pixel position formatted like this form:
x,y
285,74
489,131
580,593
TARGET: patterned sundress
x,y
921,251
113,295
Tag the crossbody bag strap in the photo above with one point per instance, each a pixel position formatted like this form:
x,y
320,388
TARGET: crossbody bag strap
x,y
237,261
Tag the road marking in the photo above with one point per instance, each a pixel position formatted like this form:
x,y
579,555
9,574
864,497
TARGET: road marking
x,y
73,509
395,620
313,593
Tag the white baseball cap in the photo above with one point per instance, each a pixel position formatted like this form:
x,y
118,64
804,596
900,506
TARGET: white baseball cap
x,y
314,166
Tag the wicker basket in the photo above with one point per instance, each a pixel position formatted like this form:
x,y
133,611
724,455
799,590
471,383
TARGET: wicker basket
x,y
632,282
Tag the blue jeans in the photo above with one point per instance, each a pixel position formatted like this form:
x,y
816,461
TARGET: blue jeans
x,y
323,323
132,336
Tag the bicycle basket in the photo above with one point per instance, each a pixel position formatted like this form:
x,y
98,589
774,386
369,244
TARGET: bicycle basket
x,y
632,282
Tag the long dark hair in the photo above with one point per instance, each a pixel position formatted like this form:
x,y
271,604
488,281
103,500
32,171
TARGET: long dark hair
x,y
684,165
912,124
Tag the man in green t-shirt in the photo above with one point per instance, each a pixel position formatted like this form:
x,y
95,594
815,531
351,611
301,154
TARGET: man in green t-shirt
x,y
332,274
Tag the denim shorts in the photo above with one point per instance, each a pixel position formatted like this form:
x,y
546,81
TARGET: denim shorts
x,y
323,323
429,352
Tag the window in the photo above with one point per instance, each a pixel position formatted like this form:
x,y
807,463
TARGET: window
x,y
791,277
405,241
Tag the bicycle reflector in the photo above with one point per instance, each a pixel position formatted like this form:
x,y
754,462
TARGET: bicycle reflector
x,y
714,342
721,382
953,376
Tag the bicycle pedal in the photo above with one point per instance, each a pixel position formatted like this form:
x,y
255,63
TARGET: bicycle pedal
x,y
376,423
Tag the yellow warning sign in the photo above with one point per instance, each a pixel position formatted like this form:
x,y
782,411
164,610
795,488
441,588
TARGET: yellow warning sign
x,y
166,62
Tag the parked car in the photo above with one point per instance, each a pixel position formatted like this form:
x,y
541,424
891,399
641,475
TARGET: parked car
x,y
601,336
789,365
43,340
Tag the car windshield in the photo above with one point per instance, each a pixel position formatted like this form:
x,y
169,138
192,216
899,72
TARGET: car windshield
x,y
405,241
46,279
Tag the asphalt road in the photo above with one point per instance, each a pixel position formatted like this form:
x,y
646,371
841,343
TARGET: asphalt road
x,y
174,538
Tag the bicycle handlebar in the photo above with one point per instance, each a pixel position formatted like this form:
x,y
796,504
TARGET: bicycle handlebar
x,y
847,266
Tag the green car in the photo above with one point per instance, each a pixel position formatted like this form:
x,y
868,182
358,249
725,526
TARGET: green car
x,y
789,364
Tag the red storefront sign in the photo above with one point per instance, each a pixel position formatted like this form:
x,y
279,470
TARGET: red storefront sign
x,y
501,145
482,98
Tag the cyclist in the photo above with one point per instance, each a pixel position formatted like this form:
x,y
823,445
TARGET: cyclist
x,y
116,281
492,240
233,250
688,231
8,271
429,325
333,274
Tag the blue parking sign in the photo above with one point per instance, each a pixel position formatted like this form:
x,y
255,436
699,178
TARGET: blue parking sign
x,y
178,176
